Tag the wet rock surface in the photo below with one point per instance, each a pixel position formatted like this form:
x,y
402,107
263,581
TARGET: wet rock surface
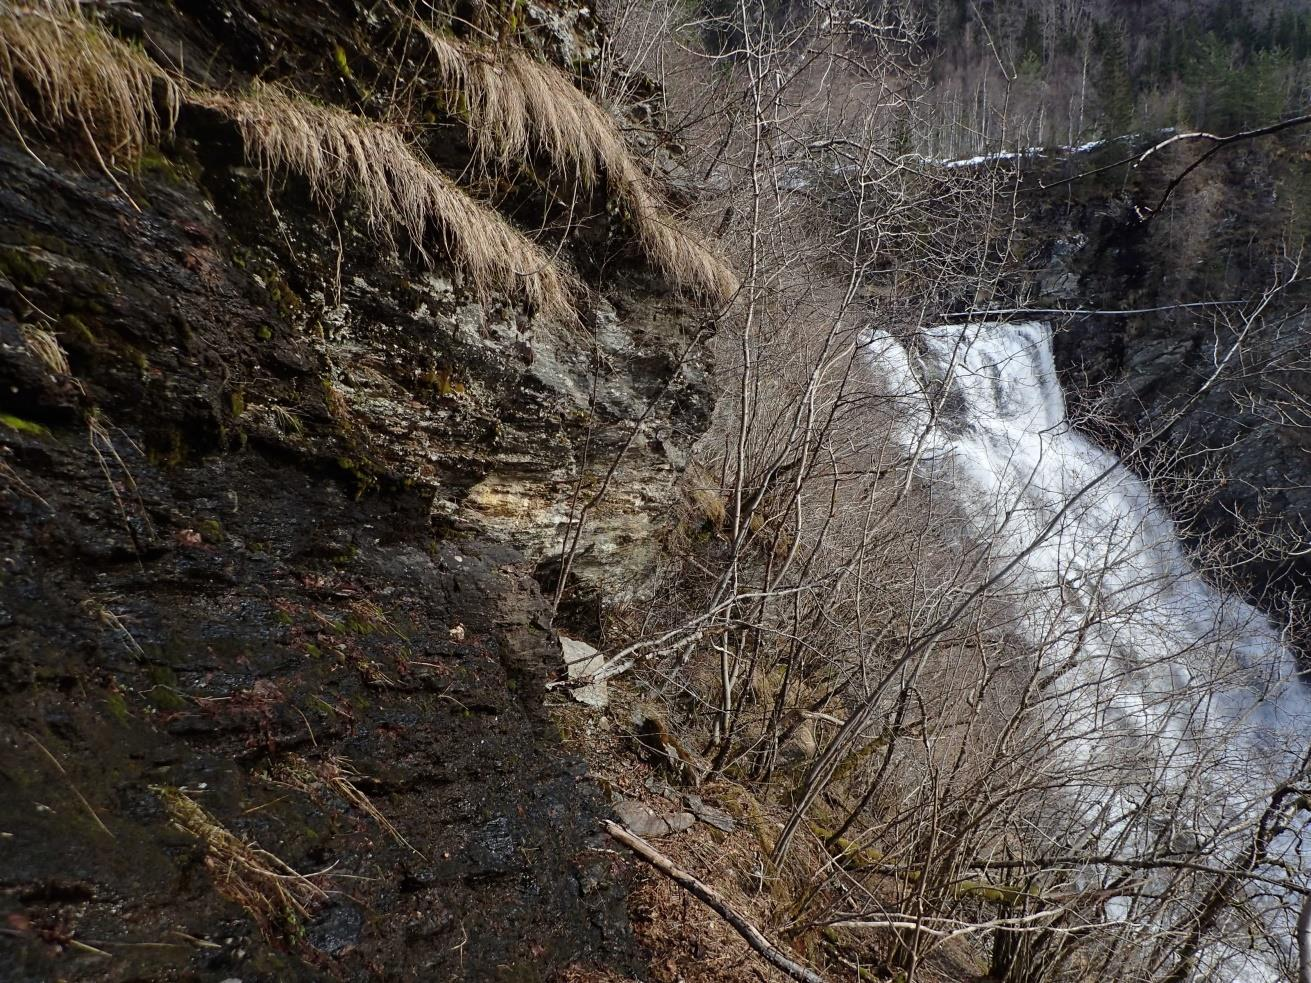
x,y
301,621
272,544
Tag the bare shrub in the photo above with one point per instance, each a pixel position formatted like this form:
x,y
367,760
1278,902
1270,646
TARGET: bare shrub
x,y
1026,773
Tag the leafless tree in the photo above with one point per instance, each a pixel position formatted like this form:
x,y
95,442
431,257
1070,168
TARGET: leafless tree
x,y
849,627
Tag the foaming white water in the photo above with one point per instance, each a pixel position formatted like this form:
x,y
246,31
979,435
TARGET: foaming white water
x,y
1165,688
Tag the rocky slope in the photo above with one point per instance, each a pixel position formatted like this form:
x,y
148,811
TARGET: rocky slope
x,y
270,537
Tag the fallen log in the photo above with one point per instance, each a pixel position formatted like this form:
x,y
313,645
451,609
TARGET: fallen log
x,y
713,900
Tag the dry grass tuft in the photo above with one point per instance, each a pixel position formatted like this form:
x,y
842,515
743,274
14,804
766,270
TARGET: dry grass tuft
x,y
682,258
274,894
60,70
516,105
448,54
401,190
340,777
45,348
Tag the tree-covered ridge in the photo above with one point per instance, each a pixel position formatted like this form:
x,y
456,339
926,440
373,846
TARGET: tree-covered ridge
x,y
1076,70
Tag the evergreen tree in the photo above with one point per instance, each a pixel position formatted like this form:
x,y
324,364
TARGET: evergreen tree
x,y
1030,67
1031,38
1115,66
1069,42
1217,84
1266,88
1269,36
1115,102
1286,34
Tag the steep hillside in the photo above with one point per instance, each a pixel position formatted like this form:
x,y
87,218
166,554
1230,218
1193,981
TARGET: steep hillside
x,y
1038,71
364,364
282,445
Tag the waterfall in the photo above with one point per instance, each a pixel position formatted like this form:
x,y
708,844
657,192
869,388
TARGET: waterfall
x,y
1156,678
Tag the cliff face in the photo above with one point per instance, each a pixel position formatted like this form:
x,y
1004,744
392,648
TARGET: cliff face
x,y
1228,233
272,511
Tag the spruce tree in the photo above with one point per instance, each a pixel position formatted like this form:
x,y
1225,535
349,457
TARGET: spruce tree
x,y
1031,38
1115,102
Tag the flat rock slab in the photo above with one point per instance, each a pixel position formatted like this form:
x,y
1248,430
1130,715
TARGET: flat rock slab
x,y
580,662
709,815
644,821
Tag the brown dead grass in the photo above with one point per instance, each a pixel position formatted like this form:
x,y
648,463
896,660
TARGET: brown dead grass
x,y
681,258
516,105
276,896
45,348
335,774
340,153
59,70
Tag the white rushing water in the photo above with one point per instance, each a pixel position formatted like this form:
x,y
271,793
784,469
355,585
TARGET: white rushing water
x,y
1157,677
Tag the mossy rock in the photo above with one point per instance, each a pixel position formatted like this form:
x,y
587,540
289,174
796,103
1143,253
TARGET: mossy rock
x,y
116,705
163,695
20,269
19,425
211,530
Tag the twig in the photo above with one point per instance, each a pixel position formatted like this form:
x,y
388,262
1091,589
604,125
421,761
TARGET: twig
x,y
1175,139
109,174
12,476
712,899
80,797
1304,943
1217,144
88,948
1082,312
196,940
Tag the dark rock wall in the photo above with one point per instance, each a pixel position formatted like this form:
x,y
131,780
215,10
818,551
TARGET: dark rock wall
x,y
284,513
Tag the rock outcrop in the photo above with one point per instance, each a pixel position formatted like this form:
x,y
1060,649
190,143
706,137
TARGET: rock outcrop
x,y
274,496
